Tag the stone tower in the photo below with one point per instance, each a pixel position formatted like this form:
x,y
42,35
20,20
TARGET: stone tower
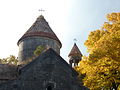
x,y
75,55
38,34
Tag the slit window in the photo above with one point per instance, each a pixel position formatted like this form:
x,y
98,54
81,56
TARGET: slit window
x,y
49,88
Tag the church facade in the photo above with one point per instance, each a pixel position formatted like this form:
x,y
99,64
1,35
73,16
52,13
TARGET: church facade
x,y
48,71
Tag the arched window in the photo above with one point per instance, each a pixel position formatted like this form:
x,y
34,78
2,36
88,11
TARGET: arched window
x,y
49,88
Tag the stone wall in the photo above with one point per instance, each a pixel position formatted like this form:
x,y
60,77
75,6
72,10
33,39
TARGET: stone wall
x,y
8,72
28,45
47,72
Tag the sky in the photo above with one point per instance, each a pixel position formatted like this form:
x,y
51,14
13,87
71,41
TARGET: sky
x,y
69,19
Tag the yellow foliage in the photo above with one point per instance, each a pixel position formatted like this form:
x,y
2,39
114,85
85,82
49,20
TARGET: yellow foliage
x,y
102,66
113,17
39,50
12,60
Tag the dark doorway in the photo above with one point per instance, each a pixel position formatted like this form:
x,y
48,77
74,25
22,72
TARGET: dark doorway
x,y
49,88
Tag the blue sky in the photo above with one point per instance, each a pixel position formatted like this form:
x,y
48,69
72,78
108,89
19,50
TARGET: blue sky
x,y
69,19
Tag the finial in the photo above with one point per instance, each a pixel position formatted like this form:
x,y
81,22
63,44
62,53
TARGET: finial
x,y
75,40
41,10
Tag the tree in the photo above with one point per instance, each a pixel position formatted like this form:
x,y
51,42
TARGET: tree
x,y
12,60
39,50
102,66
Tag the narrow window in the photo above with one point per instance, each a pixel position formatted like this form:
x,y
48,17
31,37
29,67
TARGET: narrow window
x,y
49,88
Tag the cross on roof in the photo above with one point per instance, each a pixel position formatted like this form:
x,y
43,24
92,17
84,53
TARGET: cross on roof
x,y
75,40
41,10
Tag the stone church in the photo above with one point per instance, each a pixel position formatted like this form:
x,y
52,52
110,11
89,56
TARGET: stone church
x,y
48,71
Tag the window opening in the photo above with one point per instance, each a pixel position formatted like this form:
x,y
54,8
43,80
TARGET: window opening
x,y
49,88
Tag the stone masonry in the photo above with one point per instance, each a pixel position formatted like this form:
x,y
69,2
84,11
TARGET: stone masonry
x,y
38,34
47,72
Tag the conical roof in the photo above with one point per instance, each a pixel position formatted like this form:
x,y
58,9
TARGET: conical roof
x,y
75,51
40,28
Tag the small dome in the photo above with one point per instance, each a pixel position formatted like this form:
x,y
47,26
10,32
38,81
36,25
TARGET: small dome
x,y
75,51
75,56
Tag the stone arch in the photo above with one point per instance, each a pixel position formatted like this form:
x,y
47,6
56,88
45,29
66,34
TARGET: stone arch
x,y
50,86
